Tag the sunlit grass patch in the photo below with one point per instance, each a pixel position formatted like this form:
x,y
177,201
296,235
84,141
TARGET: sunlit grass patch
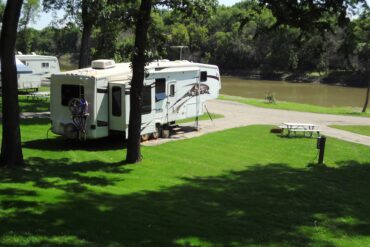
x,y
297,106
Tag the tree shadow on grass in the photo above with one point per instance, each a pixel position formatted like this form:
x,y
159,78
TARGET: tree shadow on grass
x,y
117,142
35,121
33,105
263,205
53,173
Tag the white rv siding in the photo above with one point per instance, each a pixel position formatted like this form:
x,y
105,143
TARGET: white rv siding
x,y
187,100
42,68
101,108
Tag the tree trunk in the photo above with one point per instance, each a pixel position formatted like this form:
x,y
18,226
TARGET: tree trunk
x,y
367,96
11,148
24,33
86,36
138,67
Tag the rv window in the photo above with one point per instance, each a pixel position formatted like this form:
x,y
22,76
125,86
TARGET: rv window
x,y
116,101
45,65
147,100
71,91
160,89
172,90
203,76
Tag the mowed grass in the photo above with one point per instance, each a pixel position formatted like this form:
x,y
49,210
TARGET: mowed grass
x,y
29,104
240,187
283,105
362,130
32,104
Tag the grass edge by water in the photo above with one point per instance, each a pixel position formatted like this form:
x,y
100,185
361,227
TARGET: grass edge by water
x,y
292,106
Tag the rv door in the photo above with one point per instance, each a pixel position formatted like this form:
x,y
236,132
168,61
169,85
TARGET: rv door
x,y
117,115
171,114
148,124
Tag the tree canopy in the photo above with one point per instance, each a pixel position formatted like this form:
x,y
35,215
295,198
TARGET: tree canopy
x,y
251,35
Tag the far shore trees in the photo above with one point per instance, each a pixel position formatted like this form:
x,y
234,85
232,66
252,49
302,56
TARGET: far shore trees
x,y
29,13
11,148
2,7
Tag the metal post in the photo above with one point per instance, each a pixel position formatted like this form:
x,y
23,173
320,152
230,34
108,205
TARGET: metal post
x,y
322,141
197,103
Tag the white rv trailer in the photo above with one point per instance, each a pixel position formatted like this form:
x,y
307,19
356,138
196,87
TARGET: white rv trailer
x,y
173,90
42,68
21,69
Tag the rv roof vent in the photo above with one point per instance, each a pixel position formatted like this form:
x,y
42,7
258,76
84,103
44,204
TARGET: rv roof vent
x,y
102,64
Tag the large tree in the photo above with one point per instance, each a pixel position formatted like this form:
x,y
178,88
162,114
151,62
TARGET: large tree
x,y
84,11
114,30
30,11
11,149
310,15
361,33
312,19
138,67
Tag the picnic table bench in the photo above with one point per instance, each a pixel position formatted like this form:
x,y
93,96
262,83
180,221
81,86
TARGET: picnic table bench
x,y
300,127
38,95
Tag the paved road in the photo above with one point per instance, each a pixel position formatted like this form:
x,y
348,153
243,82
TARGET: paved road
x,y
238,115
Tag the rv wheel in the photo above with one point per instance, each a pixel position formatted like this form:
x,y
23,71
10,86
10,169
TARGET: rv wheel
x,y
144,137
165,133
157,132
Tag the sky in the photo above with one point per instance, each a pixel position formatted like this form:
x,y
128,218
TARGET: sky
x,y
45,18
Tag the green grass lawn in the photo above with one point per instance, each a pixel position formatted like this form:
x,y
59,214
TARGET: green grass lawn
x,y
362,130
28,104
240,187
32,105
297,106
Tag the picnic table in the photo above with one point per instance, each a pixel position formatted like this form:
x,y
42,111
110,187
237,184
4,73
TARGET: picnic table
x,y
38,95
306,128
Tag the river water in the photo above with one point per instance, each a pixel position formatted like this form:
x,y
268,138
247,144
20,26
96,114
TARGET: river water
x,y
308,93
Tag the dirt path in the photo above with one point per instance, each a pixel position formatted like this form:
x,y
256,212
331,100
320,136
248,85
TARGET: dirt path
x,y
238,115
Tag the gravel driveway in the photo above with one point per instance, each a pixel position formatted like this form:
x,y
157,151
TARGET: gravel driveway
x,y
238,115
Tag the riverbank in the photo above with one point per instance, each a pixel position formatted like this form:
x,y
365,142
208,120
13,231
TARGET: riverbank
x,y
343,78
283,105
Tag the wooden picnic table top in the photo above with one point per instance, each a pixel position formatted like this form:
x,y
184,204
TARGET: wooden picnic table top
x,y
40,94
300,124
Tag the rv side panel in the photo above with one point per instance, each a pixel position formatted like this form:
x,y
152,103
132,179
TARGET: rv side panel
x,y
117,106
63,89
101,110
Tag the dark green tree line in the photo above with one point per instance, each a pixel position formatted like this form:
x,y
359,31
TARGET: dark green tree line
x,y
246,36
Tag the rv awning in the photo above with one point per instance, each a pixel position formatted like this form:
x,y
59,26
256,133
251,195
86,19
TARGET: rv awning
x,y
21,68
